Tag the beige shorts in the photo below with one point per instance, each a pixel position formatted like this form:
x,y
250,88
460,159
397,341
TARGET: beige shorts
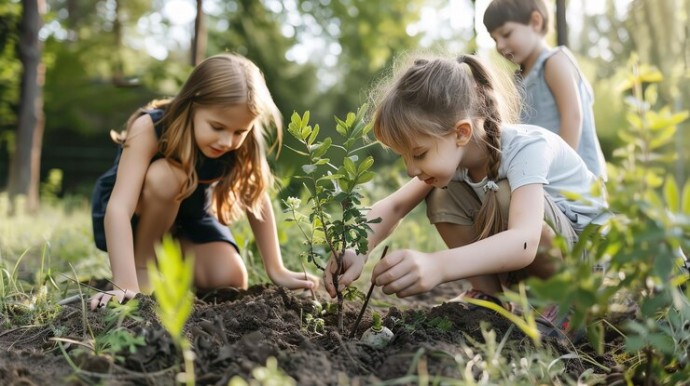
x,y
458,204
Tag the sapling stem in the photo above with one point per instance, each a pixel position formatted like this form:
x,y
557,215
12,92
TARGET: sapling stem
x,y
366,301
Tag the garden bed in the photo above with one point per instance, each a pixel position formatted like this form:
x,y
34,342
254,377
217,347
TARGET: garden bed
x,y
234,332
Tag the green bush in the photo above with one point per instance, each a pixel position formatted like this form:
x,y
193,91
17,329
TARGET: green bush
x,y
642,247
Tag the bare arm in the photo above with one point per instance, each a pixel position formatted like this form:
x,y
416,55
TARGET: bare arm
x,y
409,272
140,147
561,77
394,208
266,236
391,210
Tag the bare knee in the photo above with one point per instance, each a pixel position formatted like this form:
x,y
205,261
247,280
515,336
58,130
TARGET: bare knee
x,y
163,182
220,266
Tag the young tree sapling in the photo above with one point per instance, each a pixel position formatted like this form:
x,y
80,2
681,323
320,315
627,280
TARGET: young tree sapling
x,y
336,218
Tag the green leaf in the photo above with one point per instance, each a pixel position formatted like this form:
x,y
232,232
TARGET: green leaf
x,y
365,177
365,165
662,342
329,177
634,120
671,194
634,344
662,137
171,280
308,169
313,135
685,208
341,127
323,147
296,120
350,167
305,132
595,333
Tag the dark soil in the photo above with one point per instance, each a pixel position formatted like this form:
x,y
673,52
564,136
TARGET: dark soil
x,y
233,332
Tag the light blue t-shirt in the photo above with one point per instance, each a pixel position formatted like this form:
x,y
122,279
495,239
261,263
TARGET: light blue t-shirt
x,y
540,109
534,155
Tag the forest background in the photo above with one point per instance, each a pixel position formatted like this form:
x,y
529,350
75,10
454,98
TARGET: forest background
x,y
86,65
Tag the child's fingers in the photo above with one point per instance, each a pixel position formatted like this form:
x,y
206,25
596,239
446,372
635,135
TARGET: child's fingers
x,y
315,280
93,304
99,301
351,274
328,279
388,262
402,286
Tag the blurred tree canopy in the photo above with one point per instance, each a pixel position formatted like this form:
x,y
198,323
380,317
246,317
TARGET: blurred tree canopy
x,y
105,58
658,33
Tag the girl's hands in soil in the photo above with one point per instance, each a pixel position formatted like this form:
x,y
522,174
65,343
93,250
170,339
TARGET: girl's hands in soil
x,y
294,280
353,265
407,272
101,299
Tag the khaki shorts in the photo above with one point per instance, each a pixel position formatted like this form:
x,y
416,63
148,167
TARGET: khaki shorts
x,y
458,204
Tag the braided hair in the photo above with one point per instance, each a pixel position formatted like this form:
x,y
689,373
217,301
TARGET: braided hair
x,y
430,96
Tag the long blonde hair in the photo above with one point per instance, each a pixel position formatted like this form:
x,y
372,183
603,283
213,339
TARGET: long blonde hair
x,y
222,80
429,96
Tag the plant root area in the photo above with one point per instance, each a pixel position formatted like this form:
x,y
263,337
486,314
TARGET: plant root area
x,y
233,332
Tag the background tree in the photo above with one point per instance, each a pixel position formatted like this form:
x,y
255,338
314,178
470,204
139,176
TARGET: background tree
x,y
199,37
10,73
656,31
561,23
367,35
26,160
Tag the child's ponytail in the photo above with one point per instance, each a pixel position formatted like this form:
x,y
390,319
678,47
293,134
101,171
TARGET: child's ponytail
x,y
489,220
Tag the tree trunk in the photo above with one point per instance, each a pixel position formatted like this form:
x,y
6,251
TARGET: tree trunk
x,y
199,38
561,23
118,75
25,165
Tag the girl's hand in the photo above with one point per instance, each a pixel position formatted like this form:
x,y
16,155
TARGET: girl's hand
x,y
101,299
353,265
407,272
294,280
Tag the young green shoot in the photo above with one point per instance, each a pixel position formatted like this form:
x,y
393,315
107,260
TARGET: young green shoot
x,y
171,280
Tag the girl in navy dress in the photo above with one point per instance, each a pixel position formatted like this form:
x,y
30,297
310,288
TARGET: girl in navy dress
x,y
189,166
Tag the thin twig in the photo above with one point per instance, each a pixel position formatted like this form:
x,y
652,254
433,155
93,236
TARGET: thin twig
x,y
366,301
306,277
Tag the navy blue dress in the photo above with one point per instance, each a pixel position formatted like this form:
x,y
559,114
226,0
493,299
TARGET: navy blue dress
x,y
194,220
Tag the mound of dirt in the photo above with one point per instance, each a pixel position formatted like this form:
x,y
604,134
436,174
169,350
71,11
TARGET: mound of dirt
x,y
233,332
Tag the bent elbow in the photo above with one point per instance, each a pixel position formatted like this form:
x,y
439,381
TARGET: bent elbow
x,y
530,248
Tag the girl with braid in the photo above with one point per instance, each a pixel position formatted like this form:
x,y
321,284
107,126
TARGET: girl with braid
x,y
494,190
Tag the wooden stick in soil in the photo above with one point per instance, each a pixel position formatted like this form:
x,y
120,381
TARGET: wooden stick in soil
x,y
366,301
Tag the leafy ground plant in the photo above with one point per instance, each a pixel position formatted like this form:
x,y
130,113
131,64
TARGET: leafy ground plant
x,y
643,247
335,220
